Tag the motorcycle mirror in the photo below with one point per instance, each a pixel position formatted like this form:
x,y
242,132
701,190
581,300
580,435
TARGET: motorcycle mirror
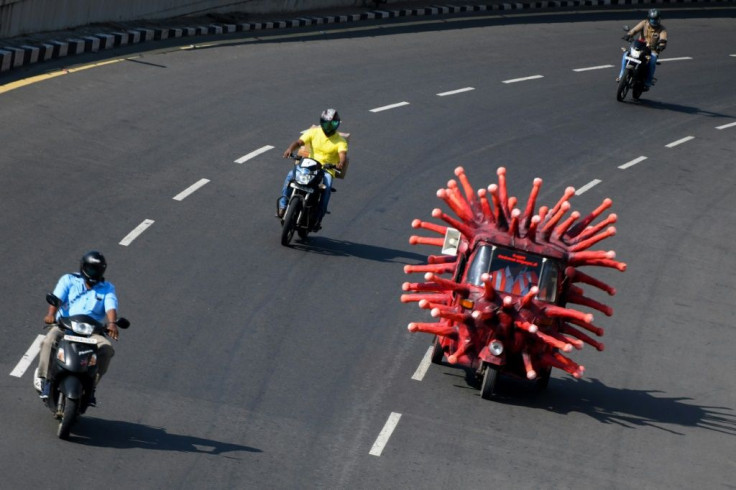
x,y
53,300
123,323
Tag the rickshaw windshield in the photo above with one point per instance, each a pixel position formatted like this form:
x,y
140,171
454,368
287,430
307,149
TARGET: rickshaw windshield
x,y
514,272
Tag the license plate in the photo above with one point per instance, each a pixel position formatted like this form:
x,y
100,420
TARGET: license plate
x,y
81,340
633,60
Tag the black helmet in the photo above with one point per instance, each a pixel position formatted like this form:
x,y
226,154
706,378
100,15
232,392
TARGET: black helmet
x,y
653,17
330,121
93,267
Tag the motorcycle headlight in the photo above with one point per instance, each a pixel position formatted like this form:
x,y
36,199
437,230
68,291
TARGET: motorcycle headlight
x,y
635,53
83,328
61,356
303,176
495,347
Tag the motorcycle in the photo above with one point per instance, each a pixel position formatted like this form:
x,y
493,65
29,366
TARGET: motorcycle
x,y
636,69
305,198
73,370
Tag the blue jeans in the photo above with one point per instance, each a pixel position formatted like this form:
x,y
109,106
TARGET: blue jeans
x,y
652,67
326,180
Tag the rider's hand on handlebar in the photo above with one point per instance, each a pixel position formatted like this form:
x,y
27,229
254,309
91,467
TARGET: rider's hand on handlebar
x,y
112,331
49,319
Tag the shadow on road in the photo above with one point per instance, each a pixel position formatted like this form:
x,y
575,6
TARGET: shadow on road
x,y
343,248
664,106
625,407
126,435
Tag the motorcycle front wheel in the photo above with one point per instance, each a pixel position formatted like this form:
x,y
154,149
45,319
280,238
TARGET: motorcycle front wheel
x,y
70,415
290,219
490,377
623,86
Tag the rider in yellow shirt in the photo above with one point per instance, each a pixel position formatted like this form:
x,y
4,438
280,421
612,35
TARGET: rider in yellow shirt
x,y
325,145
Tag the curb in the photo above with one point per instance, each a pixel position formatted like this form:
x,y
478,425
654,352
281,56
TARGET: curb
x,y
12,57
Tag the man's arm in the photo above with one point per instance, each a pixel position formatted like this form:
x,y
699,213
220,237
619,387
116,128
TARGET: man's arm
x,y
292,147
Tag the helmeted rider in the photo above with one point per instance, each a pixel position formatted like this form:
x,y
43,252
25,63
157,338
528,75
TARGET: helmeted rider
x,y
83,293
655,34
325,145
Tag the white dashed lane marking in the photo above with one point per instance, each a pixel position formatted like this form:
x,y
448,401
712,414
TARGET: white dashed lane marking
x,y
423,366
458,91
383,437
632,162
388,107
587,186
524,79
136,232
683,58
189,190
726,126
680,141
28,357
601,67
254,154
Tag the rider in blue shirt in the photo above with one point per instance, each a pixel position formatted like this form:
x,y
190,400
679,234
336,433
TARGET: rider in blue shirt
x,y
85,293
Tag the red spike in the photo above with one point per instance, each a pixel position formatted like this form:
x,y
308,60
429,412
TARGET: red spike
x,y
530,372
503,191
454,316
569,192
420,240
467,188
575,295
532,233
585,244
557,344
592,230
568,313
514,225
462,347
421,286
527,299
485,205
429,226
436,268
555,217
613,264
498,216
456,201
442,329
570,330
560,230
458,225
488,292
527,326
531,203
440,259
587,326
577,276
578,228
434,298
562,362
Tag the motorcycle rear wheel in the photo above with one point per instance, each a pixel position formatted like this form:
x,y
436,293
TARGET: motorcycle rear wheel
x,y
290,219
70,416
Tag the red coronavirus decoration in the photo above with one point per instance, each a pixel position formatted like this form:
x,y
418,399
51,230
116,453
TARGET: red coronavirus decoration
x,y
501,287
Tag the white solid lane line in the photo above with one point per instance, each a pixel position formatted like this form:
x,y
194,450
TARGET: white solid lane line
x,y
28,357
458,91
587,186
681,141
387,107
189,190
725,126
683,58
601,67
514,80
386,432
632,162
136,232
423,366
254,154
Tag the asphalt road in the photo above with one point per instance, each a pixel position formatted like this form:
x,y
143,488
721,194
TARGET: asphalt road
x,y
252,365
